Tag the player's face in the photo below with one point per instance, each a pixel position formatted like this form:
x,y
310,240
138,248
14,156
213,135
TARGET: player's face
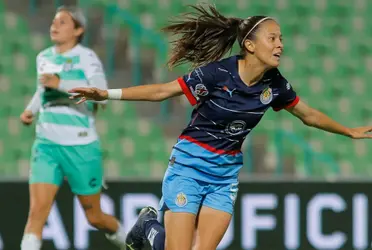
x,y
268,45
63,28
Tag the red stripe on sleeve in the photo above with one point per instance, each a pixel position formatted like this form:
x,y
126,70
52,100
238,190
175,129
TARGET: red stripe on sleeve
x,y
186,90
290,105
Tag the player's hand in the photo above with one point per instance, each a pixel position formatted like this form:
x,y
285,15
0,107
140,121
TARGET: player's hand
x,y
27,117
360,132
50,81
88,94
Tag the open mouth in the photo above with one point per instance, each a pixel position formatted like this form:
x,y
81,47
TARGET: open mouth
x,y
277,55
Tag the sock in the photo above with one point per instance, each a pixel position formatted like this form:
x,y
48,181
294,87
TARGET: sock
x,y
155,233
118,238
30,242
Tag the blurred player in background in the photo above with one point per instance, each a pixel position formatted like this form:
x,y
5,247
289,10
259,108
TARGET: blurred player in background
x,y
67,144
231,96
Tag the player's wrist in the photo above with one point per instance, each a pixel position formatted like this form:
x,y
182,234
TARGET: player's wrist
x,y
113,94
348,132
57,82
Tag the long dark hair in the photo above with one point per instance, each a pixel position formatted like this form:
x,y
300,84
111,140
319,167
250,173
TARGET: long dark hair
x,y
206,35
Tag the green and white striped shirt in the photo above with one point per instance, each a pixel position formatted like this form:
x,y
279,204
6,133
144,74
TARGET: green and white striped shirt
x,y
61,121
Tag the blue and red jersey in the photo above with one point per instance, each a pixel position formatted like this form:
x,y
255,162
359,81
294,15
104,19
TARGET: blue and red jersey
x,y
226,110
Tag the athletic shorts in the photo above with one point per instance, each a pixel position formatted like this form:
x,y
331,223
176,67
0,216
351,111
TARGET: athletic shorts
x,y
81,165
185,194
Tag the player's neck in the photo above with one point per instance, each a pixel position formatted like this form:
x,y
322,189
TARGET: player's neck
x,y
64,47
250,71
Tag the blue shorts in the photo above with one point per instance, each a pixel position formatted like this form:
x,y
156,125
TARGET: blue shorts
x,y
185,194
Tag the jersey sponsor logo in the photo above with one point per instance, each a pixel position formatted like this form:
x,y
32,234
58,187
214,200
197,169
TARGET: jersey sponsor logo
x,y
266,96
201,90
47,67
181,200
83,134
225,88
235,127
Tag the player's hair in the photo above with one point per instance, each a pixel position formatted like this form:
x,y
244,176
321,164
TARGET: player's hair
x,y
206,35
76,26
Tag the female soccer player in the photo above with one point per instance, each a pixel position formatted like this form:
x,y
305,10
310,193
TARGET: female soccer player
x,y
230,97
66,145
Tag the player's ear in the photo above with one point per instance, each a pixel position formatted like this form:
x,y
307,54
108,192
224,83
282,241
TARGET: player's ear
x,y
249,46
79,31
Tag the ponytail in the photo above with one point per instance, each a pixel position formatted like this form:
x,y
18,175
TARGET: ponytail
x,y
204,36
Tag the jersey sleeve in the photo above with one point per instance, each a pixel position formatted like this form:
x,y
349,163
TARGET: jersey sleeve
x,y
95,73
35,103
93,66
287,96
198,84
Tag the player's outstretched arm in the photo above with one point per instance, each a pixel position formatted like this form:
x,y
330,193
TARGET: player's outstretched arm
x,y
152,92
314,118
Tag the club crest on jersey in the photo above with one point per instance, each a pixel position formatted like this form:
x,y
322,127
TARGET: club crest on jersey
x,y
181,200
68,65
201,90
235,127
266,96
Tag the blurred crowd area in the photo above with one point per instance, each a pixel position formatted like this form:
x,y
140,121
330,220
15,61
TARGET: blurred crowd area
x,y
328,60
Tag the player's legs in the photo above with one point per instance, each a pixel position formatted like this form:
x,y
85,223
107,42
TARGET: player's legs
x,y
212,225
45,179
103,222
215,215
182,197
146,228
179,229
181,201
82,165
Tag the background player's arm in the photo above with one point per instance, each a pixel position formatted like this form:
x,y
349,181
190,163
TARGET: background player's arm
x,y
35,103
27,116
314,118
95,73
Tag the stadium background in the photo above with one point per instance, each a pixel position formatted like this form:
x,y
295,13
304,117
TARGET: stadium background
x,y
328,60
